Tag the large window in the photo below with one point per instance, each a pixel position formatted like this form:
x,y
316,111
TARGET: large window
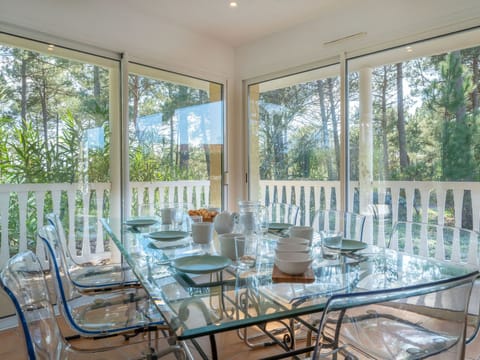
x,y
294,140
61,143
414,131
175,139
57,108
412,126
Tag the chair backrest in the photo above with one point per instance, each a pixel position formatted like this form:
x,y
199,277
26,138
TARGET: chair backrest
x,y
351,224
441,242
24,282
458,245
54,220
283,213
381,211
381,221
63,283
385,325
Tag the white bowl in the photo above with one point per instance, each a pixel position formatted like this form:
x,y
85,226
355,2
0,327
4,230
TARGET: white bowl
x,y
281,248
293,263
292,241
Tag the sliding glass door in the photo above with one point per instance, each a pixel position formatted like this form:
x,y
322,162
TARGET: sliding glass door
x,y
175,137
415,133
411,133
294,140
58,108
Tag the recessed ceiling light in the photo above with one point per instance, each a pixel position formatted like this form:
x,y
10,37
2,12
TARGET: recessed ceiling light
x,y
233,4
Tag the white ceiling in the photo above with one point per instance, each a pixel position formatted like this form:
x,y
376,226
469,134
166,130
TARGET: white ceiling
x,y
209,39
249,21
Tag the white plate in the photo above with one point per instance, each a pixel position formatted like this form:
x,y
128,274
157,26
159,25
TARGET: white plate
x,y
141,221
201,264
169,235
279,226
352,245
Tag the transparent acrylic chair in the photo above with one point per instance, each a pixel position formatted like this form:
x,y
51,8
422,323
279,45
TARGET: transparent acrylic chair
x,y
283,213
23,281
351,224
118,311
381,215
368,325
88,277
458,245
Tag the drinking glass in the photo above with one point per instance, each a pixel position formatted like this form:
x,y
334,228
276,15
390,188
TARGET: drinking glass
x,y
246,251
177,217
263,220
263,223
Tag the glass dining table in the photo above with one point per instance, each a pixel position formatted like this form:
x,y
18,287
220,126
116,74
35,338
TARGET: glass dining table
x,y
200,293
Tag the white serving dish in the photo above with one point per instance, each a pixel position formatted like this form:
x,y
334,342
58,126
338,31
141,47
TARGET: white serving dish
x,y
293,263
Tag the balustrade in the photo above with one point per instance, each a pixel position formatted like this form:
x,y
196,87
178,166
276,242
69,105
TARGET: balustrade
x,y
450,203
22,207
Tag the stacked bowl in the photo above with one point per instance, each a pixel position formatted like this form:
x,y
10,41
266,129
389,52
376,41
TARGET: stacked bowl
x,y
292,255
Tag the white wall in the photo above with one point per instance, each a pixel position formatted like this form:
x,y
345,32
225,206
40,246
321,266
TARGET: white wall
x,y
386,22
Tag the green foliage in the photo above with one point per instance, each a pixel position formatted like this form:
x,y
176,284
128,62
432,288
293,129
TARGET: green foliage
x,y
159,157
296,123
27,156
448,96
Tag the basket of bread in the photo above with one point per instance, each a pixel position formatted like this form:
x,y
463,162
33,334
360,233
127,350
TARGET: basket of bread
x,y
208,215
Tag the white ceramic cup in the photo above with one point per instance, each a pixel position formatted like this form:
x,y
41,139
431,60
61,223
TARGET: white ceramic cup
x,y
202,232
196,218
304,232
227,244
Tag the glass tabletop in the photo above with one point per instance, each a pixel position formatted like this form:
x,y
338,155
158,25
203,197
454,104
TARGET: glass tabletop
x,y
221,297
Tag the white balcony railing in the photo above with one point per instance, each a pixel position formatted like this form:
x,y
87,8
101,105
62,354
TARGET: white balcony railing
x,y
423,201
21,204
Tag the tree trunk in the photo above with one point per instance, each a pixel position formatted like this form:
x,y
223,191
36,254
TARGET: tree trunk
x,y
135,93
461,110
42,91
333,114
24,89
206,145
325,133
402,143
184,148
96,84
278,146
476,83
173,159
386,166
